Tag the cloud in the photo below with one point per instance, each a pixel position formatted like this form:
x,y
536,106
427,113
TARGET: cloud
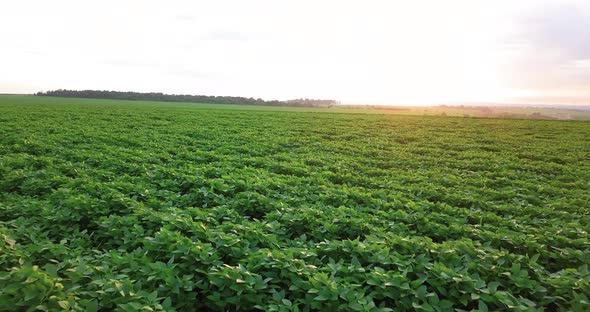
x,y
225,35
126,63
190,73
551,48
185,17
564,29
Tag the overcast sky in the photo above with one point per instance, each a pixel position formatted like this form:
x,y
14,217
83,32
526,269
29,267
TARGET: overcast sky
x,y
389,52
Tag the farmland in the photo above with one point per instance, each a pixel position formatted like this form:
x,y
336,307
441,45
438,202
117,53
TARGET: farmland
x,y
157,206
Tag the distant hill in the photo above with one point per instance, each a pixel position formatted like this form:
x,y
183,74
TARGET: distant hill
x,y
525,105
483,110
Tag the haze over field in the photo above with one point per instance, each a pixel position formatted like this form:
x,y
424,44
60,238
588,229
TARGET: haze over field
x,y
377,52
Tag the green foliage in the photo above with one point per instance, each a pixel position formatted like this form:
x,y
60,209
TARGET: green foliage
x,y
108,205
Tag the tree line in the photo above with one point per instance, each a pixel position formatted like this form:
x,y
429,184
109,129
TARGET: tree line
x,y
157,96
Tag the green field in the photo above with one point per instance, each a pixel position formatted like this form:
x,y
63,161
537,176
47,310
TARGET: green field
x,y
165,206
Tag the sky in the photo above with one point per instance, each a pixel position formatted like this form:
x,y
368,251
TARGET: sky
x,y
358,52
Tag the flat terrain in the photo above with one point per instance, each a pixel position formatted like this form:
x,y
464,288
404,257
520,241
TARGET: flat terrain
x,y
165,206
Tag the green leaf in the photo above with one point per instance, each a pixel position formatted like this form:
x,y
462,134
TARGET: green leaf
x,y
51,270
322,297
286,302
355,306
64,304
482,306
92,306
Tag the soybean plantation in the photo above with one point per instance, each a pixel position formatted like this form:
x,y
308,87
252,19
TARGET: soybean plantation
x,y
136,206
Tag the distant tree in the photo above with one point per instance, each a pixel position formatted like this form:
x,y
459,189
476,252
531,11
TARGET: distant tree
x,y
153,96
